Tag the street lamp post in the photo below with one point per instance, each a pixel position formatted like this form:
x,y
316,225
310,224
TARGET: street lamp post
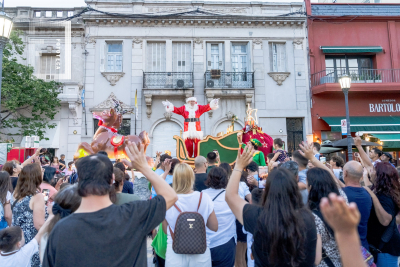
x,y
345,82
6,24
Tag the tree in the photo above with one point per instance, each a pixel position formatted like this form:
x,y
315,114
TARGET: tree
x,y
27,103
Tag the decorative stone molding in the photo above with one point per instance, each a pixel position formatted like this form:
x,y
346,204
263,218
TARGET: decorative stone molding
x,y
109,103
279,77
210,96
298,44
168,115
137,42
91,40
257,44
249,98
197,41
113,77
73,107
148,99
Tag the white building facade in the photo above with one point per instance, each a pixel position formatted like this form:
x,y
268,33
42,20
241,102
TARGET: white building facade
x,y
250,53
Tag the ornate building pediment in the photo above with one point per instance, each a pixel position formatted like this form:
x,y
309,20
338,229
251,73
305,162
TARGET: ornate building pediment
x,y
109,103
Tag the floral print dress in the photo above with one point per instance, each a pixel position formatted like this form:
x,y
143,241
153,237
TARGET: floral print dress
x,y
23,217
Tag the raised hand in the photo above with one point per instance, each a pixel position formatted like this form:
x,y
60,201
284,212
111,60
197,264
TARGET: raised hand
x,y
136,156
341,217
357,141
167,165
307,150
244,159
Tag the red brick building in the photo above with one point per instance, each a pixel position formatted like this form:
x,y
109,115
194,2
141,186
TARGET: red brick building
x,y
362,40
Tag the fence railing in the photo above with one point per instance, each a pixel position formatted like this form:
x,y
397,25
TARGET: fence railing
x,y
163,80
332,75
229,79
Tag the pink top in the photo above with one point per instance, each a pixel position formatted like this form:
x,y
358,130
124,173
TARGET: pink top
x,y
51,193
55,165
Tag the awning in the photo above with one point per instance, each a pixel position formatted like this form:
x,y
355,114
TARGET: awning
x,y
387,137
351,49
389,123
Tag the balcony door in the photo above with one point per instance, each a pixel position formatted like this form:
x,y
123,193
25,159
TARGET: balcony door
x,y
358,67
156,59
181,66
240,63
215,56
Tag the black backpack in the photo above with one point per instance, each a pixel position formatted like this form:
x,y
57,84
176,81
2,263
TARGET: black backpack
x,y
190,232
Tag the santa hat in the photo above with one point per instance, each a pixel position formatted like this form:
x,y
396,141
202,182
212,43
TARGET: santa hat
x,y
191,99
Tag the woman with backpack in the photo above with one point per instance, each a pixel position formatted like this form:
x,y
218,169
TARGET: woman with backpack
x,y
222,242
283,229
5,199
185,223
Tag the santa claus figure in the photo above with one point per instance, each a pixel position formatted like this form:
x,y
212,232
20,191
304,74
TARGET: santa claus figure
x,y
191,112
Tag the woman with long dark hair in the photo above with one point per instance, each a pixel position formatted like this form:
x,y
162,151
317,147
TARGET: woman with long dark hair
x,y
320,185
28,207
5,199
386,205
283,229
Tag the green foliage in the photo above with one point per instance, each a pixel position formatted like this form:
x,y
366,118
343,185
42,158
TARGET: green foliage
x,y
27,103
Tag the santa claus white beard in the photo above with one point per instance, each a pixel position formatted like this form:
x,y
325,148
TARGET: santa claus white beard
x,y
192,133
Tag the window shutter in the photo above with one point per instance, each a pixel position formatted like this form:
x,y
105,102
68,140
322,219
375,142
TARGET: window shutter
x,y
221,56
156,57
208,56
248,53
281,57
103,49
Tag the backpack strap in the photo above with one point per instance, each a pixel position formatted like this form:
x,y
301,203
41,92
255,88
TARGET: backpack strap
x,y
201,196
326,259
218,195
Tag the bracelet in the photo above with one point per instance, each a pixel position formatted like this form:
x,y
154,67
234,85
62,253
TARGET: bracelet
x,y
237,170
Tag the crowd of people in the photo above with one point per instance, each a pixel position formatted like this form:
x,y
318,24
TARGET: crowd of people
x,y
305,212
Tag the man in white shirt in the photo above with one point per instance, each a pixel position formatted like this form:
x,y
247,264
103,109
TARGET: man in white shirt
x,y
374,155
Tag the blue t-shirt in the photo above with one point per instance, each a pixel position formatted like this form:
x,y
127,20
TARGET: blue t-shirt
x,y
159,171
168,179
317,156
364,203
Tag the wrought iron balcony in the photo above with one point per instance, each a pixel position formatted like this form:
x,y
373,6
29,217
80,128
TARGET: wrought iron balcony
x,y
361,75
221,79
167,80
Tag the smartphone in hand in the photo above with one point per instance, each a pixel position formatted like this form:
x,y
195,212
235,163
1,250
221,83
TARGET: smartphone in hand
x,y
46,194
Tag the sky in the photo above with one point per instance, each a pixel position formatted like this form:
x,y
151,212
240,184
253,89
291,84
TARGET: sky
x,y
78,3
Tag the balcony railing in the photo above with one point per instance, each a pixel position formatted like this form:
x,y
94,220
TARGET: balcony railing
x,y
229,80
165,80
357,76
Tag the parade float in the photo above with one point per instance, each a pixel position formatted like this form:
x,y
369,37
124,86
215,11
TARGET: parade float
x,y
227,144
106,137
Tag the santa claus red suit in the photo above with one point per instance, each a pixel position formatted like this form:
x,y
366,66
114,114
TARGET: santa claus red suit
x,y
192,129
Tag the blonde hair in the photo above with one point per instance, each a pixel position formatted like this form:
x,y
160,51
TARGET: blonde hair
x,y
183,178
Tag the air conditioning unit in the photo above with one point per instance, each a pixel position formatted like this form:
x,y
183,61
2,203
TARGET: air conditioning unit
x,y
210,84
180,83
215,74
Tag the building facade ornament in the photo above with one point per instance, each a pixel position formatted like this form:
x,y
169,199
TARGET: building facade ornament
x,y
198,41
91,40
73,107
168,115
113,77
148,99
279,77
137,43
109,103
298,44
257,44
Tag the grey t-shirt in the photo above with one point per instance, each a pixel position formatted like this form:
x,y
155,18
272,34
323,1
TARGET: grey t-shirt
x,y
113,236
303,179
